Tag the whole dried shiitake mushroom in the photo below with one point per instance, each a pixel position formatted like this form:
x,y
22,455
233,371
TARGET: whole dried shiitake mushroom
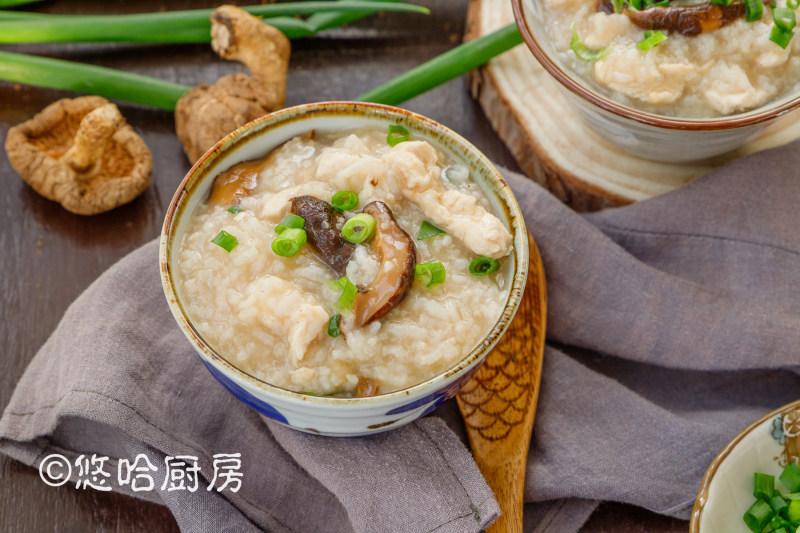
x,y
207,113
81,153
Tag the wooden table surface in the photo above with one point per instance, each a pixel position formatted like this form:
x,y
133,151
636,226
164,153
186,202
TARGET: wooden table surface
x,y
49,255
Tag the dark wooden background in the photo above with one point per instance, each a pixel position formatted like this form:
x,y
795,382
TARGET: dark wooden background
x,y
48,256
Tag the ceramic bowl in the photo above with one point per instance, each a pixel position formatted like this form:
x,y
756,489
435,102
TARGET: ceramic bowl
x,y
646,135
326,415
726,491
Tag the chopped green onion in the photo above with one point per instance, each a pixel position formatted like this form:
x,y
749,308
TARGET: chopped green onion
x,y
651,39
722,2
776,523
780,37
792,4
649,3
483,266
397,134
290,222
791,477
428,230
779,504
344,200
583,52
359,228
225,240
430,273
763,486
345,302
445,67
618,5
758,516
783,17
754,10
289,242
234,209
333,326
793,512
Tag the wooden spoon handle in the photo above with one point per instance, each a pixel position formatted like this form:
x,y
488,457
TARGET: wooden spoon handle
x,y
499,403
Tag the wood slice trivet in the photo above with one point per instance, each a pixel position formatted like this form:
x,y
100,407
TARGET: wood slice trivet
x,y
552,145
499,402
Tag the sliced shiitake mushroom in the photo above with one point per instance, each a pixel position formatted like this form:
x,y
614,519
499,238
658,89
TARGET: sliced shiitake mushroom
x,y
324,231
689,19
397,256
366,387
240,180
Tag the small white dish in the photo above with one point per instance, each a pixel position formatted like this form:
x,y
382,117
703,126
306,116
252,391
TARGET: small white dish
x,y
726,491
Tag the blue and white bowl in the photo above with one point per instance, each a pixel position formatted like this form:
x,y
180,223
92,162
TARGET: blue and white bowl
x,y
326,415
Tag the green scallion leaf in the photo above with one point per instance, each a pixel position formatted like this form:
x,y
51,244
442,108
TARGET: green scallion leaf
x,y
430,273
583,52
445,67
397,134
225,240
345,302
754,10
636,5
651,39
428,230
344,200
290,221
333,326
780,37
758,516
185,26
234,209
722,2
483,266
618,5
359,228
289,242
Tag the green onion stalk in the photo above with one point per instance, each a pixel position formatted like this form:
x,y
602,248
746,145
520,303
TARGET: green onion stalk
x,y
137,88
12,3
445,67
188,26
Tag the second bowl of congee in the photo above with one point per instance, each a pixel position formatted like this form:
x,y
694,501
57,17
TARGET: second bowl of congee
x,y
352,260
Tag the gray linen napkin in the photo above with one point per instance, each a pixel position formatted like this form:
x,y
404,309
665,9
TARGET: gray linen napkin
x,y
673,324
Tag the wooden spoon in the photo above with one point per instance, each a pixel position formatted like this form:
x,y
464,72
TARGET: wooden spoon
x,y
499,403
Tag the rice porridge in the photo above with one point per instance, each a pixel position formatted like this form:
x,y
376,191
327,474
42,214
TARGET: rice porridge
x,y
296,320
684,59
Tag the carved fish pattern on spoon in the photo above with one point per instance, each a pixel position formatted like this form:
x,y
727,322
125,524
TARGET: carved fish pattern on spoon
x,y
499,403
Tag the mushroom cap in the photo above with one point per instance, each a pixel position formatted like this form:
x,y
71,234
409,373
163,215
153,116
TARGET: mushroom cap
x,y
207,113
36,149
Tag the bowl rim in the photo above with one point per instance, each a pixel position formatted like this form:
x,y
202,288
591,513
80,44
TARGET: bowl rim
x,y
748,118
289,115
702,494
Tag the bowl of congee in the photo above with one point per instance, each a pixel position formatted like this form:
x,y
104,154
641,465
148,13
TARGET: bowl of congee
x,y
343,267
670,80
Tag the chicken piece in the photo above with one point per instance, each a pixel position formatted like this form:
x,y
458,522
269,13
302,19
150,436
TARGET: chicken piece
x,y
278,205
411,165
285,311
